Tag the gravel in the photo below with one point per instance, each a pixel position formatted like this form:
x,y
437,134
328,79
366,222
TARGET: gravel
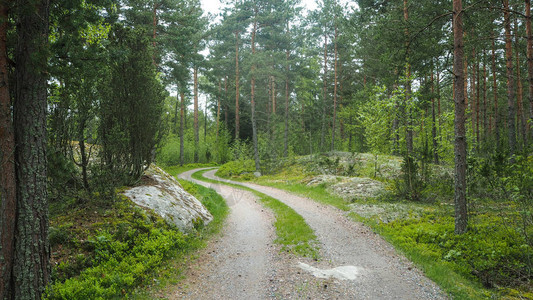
x,y
244,263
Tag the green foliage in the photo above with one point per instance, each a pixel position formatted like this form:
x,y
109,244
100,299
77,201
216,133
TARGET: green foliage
x,y
237,168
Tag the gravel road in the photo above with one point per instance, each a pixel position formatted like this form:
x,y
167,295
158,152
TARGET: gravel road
x,y
244,262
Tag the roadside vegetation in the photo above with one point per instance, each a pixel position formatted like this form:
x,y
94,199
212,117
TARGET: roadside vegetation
x,y
293,233
493,259
105,247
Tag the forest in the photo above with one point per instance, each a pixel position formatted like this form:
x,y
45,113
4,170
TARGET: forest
x,y
94,91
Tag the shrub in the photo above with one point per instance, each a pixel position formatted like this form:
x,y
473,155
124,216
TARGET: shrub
x,y
237,168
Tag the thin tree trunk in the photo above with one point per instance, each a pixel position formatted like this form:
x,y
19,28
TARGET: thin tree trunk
x,y
473,101
334,90
218,109
31,269
324,91
226,101
434,125
409,132
478,101
8,189
529,64
154,32
237,92
196,127
182,127
254,125
461,214
485,119
496,111
510,80
286,144
520,115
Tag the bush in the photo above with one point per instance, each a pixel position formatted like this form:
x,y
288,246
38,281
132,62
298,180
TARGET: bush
x,y
237,168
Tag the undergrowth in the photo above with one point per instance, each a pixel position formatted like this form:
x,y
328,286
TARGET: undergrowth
x,y
105,247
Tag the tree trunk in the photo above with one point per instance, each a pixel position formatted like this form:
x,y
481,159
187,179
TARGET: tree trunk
x,y
226,101
324,91
510,80
473,98
495,93
31,269
218,108
196,127
237,129
529,64
461,214
254,125
334,90
286,144
154,32
409,131
8,197
485,118
520,115
182,127
434,125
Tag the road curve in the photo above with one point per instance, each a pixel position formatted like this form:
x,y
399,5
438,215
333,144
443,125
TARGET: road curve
x,y
383,274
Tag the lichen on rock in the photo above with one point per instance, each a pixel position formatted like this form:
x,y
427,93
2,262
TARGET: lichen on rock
x,y
163,194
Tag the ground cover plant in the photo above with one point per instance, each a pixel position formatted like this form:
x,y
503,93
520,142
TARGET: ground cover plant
x,y
106,247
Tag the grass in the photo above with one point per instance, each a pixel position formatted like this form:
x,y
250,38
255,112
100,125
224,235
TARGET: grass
x,y
293,233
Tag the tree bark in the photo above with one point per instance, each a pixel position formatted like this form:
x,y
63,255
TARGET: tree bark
x,y
324,91
254,125
511,128
182,127
8,197
196,127
218,108
496,111
484,113
461,214
409,131
237,129
31,269
520,115
473,100
529,64
334,90
286,142
434,125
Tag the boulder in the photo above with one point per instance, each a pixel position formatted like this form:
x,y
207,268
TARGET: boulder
x,y
162,193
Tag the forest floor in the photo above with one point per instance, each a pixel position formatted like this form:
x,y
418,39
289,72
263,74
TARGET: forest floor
x,y
244,262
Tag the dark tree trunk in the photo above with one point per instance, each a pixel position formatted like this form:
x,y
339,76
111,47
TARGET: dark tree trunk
x,y
485,118
461,215
511,128
8,189
529,64
31,269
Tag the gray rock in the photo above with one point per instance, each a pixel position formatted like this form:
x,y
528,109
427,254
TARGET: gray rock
x,y
164,195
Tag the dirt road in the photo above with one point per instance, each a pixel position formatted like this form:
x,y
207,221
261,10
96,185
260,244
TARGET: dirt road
x,y
243,263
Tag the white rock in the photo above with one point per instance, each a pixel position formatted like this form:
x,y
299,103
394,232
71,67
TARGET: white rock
x,y
165,196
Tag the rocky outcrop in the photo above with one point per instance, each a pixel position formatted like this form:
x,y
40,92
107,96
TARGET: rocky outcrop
x,y
162,193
